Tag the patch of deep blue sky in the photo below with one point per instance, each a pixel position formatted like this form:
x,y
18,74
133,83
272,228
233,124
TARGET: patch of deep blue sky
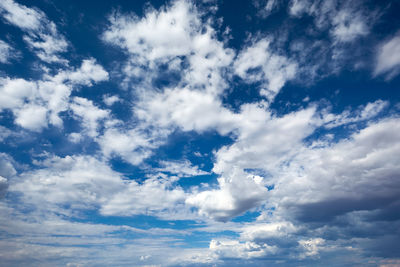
x,y
83,22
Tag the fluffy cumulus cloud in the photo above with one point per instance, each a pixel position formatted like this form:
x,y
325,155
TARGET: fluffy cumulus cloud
x,y
352,165
177,137
236,194
176,36
36,104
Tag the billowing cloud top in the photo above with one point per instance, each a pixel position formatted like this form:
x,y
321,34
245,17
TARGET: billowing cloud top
x,y
200,133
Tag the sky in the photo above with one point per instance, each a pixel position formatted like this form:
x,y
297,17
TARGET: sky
x,y
200,133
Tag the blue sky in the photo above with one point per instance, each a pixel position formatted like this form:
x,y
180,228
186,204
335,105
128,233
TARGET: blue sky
x,y
199,133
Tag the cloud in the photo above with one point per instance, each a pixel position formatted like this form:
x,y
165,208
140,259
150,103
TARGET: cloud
x,y
152,197
279,136
298,7
20,15
236,194
111,100
348,25
7,52
235,249
158,35
132,145
5,133
41,34
187,109
268,231
15,92
388,59
336,36
311,246
89,72
310,183
257,63
52,238
180,168
266,7
179,46
7,171
32,117
178,37
363,113
346,21
36,104
80,181
86,183
351,165
3,187
89,113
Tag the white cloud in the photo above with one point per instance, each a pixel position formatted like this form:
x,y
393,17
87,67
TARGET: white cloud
x,y
111,100
89,113
75,137
306,183
235,249
336,36
266,7
363,113
41,34
7,169
32,117
89,72
237,193
359,173
132,145
6,52
298,7
188,109
388,58
81,181
265,231
180,168
257,63
4,133
86,183
15,91
237,190
48,45
151,197
265,141
156,36
346,21
173,35
348,25
36,104
193,53
21,16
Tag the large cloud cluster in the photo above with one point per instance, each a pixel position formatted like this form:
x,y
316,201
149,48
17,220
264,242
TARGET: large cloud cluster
x,y
290,187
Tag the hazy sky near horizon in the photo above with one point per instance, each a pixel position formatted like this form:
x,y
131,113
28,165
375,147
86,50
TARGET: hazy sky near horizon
x,y
200,133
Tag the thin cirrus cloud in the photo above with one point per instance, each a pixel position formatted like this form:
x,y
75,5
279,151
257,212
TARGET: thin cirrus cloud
x,y
388,59
176,137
